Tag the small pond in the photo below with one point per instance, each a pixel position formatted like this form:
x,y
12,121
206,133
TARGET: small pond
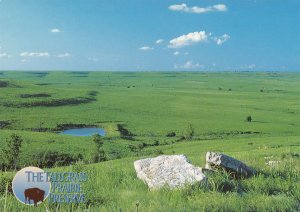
x,y
84,131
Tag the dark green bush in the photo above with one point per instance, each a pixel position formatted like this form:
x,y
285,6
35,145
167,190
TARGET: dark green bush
x,y
50,159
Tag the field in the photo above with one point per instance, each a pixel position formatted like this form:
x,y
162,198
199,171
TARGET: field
x,y
147,114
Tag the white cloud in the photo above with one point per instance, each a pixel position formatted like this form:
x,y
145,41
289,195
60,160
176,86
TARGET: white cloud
x,y
5,55
176,53
93,59
186,53
189,39
159,41
35,54
146,48
220,7
188,65
55,30
198,10
64,55
251,66
222,39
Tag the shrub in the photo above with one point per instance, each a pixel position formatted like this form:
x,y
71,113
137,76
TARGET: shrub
x,y
11,151
92,93
171,134
50,159
3,84
158,152
189,133
5,183
35,95
99,153
125,133
249,119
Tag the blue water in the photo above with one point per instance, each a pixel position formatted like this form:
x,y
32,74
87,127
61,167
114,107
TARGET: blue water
x,y
84,132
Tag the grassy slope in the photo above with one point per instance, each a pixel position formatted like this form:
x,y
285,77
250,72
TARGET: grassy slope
x,y
163,102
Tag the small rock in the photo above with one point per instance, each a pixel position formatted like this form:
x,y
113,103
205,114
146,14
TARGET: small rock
x,y
168,170
229,164
273,163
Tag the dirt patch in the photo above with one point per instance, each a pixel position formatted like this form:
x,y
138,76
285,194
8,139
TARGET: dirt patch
x,y
125,133
35,95
3,84
51,102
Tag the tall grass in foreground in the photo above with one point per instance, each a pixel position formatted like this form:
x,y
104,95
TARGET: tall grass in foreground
x,y
113,186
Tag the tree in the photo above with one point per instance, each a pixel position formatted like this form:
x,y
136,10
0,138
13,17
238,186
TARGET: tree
x,y
11,151
249,118
99,154
189,133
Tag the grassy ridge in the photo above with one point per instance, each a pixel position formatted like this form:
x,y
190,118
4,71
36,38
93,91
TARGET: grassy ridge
x,y
113,185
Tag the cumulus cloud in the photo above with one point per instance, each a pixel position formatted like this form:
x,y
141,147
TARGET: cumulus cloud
x,y
35,54
64,55
55,30
222,39
176,53
159,41
198,10
189,39
5,55
146,48
188,65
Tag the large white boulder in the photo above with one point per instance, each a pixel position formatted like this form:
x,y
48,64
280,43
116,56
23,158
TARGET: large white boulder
x,y
173,171
217,160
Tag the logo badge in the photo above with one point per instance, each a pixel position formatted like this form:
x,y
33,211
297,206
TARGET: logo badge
x,y
31,185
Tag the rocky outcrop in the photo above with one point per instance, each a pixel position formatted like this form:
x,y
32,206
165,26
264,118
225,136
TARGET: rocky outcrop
x,y
173,171
233,166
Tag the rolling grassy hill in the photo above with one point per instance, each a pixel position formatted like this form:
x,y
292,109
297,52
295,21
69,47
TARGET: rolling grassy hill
x,y
149,106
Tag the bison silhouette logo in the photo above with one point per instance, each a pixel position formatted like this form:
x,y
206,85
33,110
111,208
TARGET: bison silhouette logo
x,y
35,194
31,186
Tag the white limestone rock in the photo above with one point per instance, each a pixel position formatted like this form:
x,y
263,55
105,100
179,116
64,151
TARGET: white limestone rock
x,y
173,171
217,160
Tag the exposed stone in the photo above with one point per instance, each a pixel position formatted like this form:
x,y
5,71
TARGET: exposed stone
x,y
173,171
273,163
233,166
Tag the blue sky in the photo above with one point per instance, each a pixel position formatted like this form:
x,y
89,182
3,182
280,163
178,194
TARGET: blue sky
x,y
141,35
